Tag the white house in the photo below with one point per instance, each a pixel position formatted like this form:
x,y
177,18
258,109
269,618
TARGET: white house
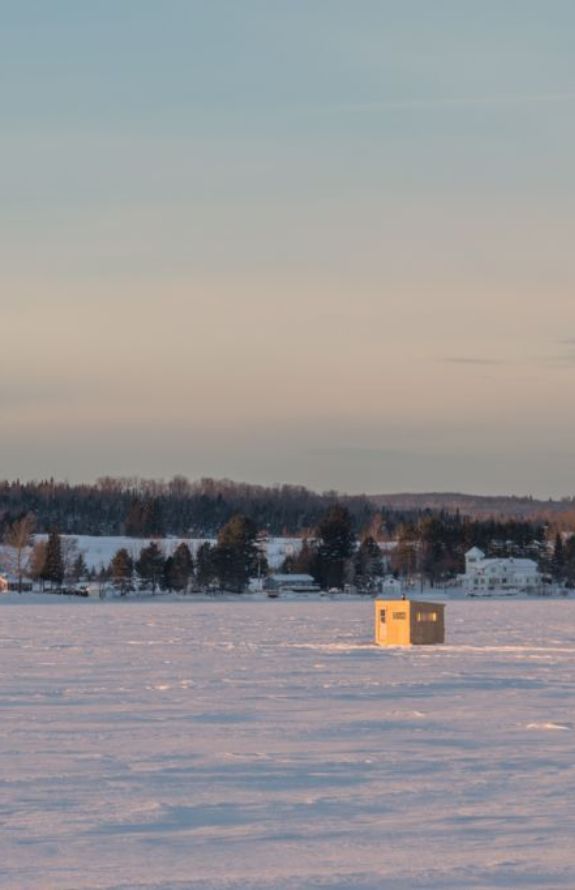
x,y
482,574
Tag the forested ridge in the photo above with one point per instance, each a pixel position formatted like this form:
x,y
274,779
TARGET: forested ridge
x,y
560,511
144,507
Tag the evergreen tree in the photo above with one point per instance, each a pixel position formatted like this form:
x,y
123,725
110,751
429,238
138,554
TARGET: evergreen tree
x,y
431,547
179,568
236,554
150,566
53,570
205,568
79,568
558,558
569,561
336,548
404,557
368,564
122,570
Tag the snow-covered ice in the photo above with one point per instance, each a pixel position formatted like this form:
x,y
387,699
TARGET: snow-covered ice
x,y
250,746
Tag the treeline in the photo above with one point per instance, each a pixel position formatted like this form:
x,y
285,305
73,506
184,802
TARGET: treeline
x,y
179,507
555,512
431,548
150,508
228,564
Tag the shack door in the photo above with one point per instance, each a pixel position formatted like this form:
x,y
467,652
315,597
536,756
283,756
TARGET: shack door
x,y
382,626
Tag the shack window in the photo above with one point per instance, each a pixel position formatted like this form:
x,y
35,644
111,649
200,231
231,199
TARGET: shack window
x,y
426,616
399,616
382,616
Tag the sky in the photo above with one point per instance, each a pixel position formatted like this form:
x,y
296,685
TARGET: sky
x,y
310,241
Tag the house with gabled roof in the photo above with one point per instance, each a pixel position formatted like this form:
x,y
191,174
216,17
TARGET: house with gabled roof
x,y
508,574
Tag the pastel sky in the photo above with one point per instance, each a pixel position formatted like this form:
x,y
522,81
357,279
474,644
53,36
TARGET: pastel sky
x,y
315,241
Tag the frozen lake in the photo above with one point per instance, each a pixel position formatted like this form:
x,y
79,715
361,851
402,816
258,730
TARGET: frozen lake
x,y
250,746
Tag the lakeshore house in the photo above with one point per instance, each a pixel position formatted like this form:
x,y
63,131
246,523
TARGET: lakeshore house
x,y
297,583
11,582
484,574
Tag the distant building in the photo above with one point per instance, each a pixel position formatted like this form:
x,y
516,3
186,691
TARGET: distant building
x,y
280,583
483,574
409,623
11,582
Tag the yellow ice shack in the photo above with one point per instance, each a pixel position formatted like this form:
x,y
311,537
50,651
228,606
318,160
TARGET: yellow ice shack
x,y
409,623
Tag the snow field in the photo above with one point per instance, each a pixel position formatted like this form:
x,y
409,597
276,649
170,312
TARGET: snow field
x,y
270,745
99,551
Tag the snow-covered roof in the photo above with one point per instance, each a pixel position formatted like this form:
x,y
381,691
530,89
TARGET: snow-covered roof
x,y
476,553
517,566
293,579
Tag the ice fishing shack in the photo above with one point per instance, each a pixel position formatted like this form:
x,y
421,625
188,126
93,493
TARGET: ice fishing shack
x,y
409,623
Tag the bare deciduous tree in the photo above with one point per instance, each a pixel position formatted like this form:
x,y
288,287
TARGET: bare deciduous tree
x,y
19,538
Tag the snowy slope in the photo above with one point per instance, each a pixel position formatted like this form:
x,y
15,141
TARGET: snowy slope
x,y
98,551
252,746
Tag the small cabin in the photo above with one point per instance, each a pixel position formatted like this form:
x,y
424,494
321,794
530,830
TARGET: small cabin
x,y
409,623
282,583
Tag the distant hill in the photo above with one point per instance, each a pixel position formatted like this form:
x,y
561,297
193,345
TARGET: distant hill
x,y
479,506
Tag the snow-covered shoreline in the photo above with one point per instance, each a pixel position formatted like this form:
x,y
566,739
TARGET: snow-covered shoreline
x,y
445,595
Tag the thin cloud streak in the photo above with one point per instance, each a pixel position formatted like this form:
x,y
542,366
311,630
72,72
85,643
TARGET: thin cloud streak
x,y
462,360
454,102
564,359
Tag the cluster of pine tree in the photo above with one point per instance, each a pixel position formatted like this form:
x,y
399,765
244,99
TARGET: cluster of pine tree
x,y
228,565
560,564
335,557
